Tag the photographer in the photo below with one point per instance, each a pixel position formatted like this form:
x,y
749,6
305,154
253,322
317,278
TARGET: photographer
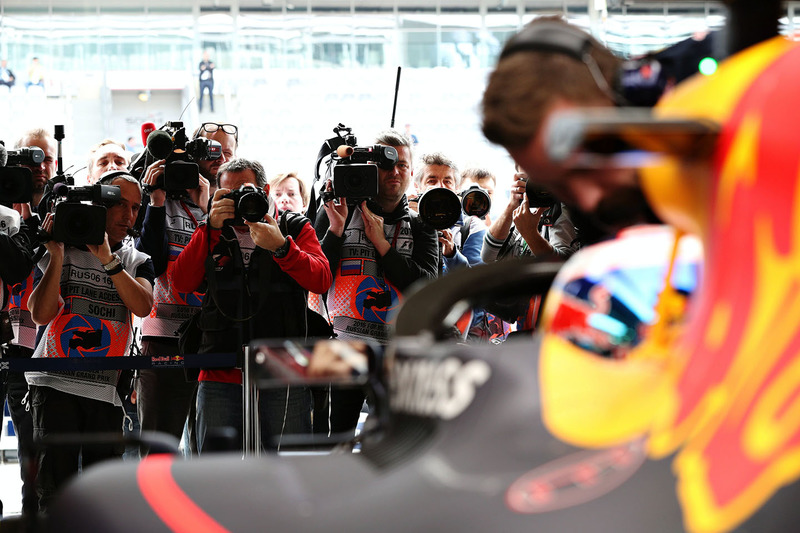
x,y
22,325
164,396
438,171
376,250
85,298
258,272
41,172
227,135
484,179
521,231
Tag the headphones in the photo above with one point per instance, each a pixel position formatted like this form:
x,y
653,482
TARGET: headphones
x,y
560,38
628,87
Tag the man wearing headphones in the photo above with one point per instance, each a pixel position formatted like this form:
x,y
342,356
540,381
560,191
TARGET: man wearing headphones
x,y
547,67
85,298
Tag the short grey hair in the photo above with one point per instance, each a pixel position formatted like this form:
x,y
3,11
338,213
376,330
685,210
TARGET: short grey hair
x,y
392,137
240,164
437,158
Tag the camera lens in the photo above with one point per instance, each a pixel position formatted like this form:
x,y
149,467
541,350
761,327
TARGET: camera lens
x,y
476,203
440,208
355,182
78,226
253,206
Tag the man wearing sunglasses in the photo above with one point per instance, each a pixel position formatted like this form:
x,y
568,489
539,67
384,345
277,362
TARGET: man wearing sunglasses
x,y
225,134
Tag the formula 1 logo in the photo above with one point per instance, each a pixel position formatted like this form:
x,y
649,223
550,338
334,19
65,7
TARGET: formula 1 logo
x,y
85,336
375,302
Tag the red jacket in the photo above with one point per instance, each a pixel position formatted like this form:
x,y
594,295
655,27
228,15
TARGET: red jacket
x,y
305,263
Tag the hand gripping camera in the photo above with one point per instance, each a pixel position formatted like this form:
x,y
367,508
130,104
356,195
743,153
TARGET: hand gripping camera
x,y
16,185
250,204
78,223
180,172
355,168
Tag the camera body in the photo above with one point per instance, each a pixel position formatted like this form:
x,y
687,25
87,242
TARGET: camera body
x,y
180,170
16,185
250,204
540,197
30,155
16,181
76,222
355,168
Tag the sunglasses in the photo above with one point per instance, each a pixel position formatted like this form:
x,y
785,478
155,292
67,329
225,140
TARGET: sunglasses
x,y
212,127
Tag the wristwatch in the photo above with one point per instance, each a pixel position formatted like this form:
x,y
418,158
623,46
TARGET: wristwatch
x,y
114,266
283,250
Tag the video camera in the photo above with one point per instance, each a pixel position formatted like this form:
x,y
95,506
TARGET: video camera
x,y
77,223
355,168
16,181
180,171
441,208
250,204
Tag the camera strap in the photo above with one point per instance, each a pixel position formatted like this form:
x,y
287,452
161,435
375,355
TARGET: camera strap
x,y
213,282
189,213
393,244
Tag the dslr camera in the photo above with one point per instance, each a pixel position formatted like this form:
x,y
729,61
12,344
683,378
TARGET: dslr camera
x,y
538,196
250,204
76,222
355,168
16,181
180,171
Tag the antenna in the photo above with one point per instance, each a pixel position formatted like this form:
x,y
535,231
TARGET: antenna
x,y
185,108
396,90
59,136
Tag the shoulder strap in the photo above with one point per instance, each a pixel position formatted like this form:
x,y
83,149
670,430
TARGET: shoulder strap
x,y
213,286
466,226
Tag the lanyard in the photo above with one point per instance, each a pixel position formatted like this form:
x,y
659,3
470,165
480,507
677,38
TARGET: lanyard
x,y
188,212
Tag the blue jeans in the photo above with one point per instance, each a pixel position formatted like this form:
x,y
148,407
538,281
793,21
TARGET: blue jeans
x,y
206,85
219,406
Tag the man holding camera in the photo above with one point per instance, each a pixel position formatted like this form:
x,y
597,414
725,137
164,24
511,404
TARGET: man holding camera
x,y
164,396
85,298
376,251
520,231
258,269
440,172
41,172
22,326
544,232
227,135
